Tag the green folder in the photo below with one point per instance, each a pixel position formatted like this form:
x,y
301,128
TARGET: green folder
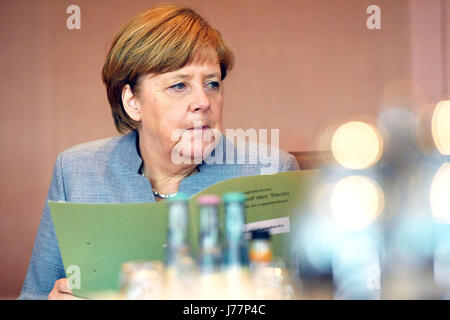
x,y
98,238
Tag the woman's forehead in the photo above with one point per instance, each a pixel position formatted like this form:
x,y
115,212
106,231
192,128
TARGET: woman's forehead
x,y
205,62
205,68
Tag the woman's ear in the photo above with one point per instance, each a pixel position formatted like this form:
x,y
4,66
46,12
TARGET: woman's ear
x,y
131,103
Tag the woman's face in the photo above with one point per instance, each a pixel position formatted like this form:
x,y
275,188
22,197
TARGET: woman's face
x,y
181,111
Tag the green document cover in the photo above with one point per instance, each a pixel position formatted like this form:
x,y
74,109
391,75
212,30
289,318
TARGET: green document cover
x,y
98,238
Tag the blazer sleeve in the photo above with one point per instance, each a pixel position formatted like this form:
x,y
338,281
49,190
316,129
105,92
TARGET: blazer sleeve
x,y
289,163
46,265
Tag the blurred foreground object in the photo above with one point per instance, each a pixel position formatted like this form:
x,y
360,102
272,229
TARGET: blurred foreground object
x,y
223,270
441,127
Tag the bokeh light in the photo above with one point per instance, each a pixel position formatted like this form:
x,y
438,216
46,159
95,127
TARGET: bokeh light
x,y
357,145
423,131
440,194
440,126
356,201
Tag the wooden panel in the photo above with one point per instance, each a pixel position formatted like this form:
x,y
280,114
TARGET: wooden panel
x,y
313,159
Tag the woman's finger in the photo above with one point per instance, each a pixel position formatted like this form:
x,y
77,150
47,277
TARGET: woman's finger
x,y
63,286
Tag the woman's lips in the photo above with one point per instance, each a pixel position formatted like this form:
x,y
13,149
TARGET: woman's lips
x,y
199,128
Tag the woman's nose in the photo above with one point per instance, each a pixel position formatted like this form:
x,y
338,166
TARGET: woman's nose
x,y
201,101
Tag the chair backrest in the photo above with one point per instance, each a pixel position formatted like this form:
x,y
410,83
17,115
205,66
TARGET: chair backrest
x,y
313,159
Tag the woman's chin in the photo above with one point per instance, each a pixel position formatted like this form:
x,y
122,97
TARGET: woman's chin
x,y
197,155
189,152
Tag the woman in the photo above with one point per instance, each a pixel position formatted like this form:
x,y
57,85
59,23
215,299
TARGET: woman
x,y
163,76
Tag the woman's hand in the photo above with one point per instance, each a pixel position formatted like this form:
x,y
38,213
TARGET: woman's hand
x,y
62,291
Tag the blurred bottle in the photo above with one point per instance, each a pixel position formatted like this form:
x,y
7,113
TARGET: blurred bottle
x,y
180,275
236,250
270,277
210,253
407,226
177,235
263,280
209,238
236,259
312,250
260,250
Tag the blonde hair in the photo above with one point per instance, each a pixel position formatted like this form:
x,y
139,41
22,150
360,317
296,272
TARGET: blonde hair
x,y
162,39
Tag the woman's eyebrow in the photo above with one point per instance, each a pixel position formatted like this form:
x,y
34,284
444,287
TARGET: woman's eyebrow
x,y
177,76
181,76
212,75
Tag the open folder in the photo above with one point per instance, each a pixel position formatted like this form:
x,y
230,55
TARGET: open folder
x,y
96,239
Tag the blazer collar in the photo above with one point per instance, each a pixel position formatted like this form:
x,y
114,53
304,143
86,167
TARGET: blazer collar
x,y
127,153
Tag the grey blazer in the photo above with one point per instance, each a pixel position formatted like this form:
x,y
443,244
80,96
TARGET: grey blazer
x,y
108,171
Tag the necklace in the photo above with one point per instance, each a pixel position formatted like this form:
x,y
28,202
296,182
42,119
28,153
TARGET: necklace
x,y
161,195
164,196
170,195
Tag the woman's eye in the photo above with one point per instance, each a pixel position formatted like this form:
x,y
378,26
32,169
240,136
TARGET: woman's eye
x,y
178,86
214,84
